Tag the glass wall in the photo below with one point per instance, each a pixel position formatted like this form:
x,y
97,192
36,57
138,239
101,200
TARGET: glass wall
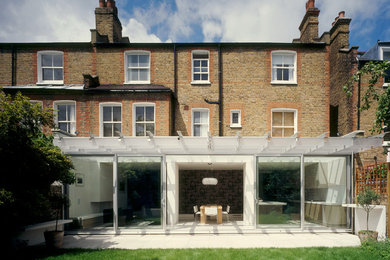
x,y
91,197
278,193
139,192
325,191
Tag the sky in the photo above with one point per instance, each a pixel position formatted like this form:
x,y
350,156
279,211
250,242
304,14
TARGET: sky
x,y
191,20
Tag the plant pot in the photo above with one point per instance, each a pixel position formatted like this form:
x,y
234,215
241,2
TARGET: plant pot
x,y
54,239
368,236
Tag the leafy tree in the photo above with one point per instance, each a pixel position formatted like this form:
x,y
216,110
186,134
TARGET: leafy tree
x,y
30,164
375,70
365,199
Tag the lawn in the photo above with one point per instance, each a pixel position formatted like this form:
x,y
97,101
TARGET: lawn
x,y
369,251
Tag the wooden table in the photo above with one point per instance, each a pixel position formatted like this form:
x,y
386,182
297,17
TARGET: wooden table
x,y
203,216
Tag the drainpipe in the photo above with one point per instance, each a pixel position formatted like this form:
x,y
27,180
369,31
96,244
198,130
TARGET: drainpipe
x,y
13,66
219,102
358,103
174,100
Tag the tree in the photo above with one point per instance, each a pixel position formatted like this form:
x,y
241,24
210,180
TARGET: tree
x,y
30,163
375,70
365,199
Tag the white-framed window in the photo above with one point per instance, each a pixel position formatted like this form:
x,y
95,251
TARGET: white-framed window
x,y
200,67
137,67
235,118
385,55
200,121
284,67
144,118
110,119
50,67
283,122
65,115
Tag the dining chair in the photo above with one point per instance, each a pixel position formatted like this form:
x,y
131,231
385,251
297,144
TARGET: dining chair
x,y
196,212
226,212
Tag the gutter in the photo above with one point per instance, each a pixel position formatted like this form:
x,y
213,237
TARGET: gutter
x,y
219,102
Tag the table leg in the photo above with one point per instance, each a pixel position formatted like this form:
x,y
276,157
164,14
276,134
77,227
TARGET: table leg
x,y
219,216
202,216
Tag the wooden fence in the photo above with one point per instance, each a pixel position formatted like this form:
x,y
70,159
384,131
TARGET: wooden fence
x,y
377,178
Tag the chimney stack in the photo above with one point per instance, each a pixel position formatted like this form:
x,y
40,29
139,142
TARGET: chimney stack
x,y
339,33
309,24
108,27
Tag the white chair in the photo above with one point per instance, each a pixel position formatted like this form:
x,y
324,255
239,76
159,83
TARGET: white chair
x,y
196,212
210,211
226,212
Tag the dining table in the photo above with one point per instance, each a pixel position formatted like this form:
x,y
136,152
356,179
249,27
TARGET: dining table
x,y
203,215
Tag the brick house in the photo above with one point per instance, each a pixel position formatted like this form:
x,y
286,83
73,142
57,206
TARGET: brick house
x,y
155,129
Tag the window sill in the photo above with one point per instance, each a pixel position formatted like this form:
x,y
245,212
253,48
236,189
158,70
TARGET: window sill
x,y
200,83
235,126
284,83
136,82
46,83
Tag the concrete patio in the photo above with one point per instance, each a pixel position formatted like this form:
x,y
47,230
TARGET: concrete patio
x,y
286,240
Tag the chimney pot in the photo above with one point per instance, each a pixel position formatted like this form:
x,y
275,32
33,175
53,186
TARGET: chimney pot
x,y
109,4
309,4
342,14
102,3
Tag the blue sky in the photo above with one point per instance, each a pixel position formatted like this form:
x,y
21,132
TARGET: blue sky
x,y
191,20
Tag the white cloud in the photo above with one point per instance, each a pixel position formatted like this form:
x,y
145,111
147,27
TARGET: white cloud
x,y
137,32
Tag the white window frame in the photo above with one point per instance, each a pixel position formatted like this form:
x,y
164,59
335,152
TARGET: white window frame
x,y
192,119
143,104
284,52
101,122
285,110
200,52
65,102
136,52
382,50
39,68
238,124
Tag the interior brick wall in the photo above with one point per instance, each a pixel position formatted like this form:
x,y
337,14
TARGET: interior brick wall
x,y
228,191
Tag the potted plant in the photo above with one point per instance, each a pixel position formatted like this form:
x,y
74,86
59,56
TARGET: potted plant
x,y
366,199
55,237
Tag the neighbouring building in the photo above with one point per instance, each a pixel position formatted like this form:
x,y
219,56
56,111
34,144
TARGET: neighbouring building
x,y
155,129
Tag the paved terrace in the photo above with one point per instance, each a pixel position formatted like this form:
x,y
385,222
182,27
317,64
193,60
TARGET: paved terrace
x,y
287,240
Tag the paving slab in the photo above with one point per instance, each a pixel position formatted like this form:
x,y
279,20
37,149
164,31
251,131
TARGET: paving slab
x,y
211,241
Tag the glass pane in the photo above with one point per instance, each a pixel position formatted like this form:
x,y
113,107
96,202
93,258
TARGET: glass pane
x,y
235,118
47,60
277,118
117,129
196,117
197,69
107,130
205,77
47,74
289,60
57,60
58,75
279,187
117,115
204,63
149,113
143,74
139,114
288,132
150,127
204,69
132,60
144,60
285,75
325,192
139,192
133,74
196,130
107,113
71,112
91,197
203,130
196,76
277,132
386,55
139,130
72,128
63,126
204,117
279,74
288,118
196,63
276,60
61,112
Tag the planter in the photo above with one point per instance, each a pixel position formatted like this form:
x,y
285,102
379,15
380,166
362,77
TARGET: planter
x,y
54,239
368,236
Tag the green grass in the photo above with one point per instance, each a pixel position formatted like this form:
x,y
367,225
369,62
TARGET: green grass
x,y
369,251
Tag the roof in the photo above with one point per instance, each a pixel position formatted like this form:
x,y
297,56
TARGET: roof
x,y
373,54
226,145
